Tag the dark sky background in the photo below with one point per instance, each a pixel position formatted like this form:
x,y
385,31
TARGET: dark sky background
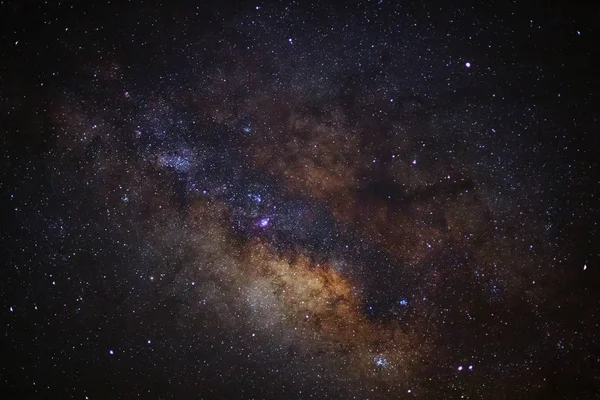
x,y
293,200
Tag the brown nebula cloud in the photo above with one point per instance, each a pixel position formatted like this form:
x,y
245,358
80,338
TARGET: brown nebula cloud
x,y
424,213
318,158
302,305
410,210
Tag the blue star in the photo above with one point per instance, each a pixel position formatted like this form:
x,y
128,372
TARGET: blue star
x,y
380,361
255,197
264,222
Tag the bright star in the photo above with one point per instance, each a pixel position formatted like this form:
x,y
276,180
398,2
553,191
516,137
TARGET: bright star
x,y
380,361
264,222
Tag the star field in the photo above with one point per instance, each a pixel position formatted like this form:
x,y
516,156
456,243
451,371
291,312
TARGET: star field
x,y
367,200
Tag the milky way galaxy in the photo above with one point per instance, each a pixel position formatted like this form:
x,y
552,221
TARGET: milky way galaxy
x,y
294,200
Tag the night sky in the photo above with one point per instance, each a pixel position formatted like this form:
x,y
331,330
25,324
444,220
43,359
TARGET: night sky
x,y
294,200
